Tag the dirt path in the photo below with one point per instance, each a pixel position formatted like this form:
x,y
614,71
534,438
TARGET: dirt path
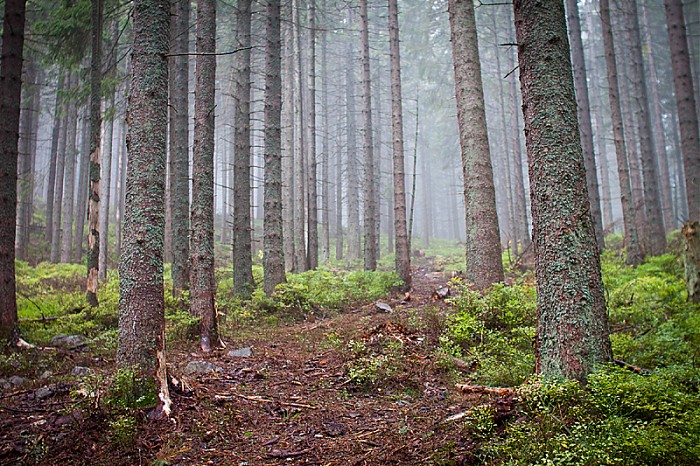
x,y
292,401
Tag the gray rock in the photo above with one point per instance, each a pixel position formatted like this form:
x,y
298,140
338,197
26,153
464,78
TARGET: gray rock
x,y
68,341
201,367
5,384
45,375
44,392
17,380
241,353
80,371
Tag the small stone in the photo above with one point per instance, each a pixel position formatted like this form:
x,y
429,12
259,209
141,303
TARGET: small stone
x,y
80,371
201,367
46,375
5,384
241,353
44,392
68,341
17,380
383,307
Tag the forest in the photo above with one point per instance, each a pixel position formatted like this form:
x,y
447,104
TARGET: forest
x,y
350,232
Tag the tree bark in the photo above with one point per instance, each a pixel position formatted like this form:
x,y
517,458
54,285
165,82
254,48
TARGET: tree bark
x,y
93,214
10,97
352,173
312,220
141,343
69,182
572,328
300,148
273,247
484,266
325,156
403,247
634,251
287,122
691,240
82,190
179,184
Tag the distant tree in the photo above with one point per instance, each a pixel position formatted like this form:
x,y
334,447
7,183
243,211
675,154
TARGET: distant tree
x,y
352,170
484,266
69,179
10,96
287,122
56,219
572,326
141,343
311,169
93,213
403,247
53,160
370,230
326,189
178,66
300,147
242,253
634,251
273,247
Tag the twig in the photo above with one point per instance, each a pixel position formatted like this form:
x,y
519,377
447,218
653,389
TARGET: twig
x,y
487,390
626,365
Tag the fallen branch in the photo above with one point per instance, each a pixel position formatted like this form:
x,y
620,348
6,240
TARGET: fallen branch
x,y
626,365
486,390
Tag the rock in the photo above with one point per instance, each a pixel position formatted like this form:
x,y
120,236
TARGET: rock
x,y
201,367
45,375
44,392
17,380
5,384
241,353
68,341
383,307
80,371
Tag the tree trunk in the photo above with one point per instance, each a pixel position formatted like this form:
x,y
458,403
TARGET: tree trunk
x,y
370,231
325,156
484,266
403,247
178,67
300,149
339,200
82,194
287,122
93,213
572,327
634,251
312,220
10,97
691,241
202,281
69,182
584,117
273,247
685,101
105,188
242,253
53,157
352,175
141,344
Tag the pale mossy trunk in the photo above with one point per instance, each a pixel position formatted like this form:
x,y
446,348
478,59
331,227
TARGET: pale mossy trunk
x,y
94,172
572,326
202,281
635,255
370,231
141,342
179,164
483,258
352,169
403,246
287,122
311,168
273,244
326,187
691,241
56,220
69,180
10,97
300,148
242,252
53,161
685,101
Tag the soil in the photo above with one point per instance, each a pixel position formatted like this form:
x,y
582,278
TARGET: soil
x,y
292,402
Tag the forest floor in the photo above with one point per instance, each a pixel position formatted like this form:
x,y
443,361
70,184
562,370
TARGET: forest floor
x,y
362,387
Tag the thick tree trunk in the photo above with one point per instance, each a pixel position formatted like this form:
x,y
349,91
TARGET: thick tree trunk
x,y
242,252
179,198
634,251
93,214
403,247
273,244
691,241
300,148
325,156
311,169
685,101
584,117
202,281
141,344
370,231
10,97
287,122
484,266
572,327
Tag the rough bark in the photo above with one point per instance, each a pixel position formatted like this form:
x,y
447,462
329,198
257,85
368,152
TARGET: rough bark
x,y
300,148
691,241
287,122
25,164
10,96
584,117
141,343
634,251
202,281
93,214
311,171
242,253
325,155
572,328
370,230
483,258
179,142
685,101
403,247
273,244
